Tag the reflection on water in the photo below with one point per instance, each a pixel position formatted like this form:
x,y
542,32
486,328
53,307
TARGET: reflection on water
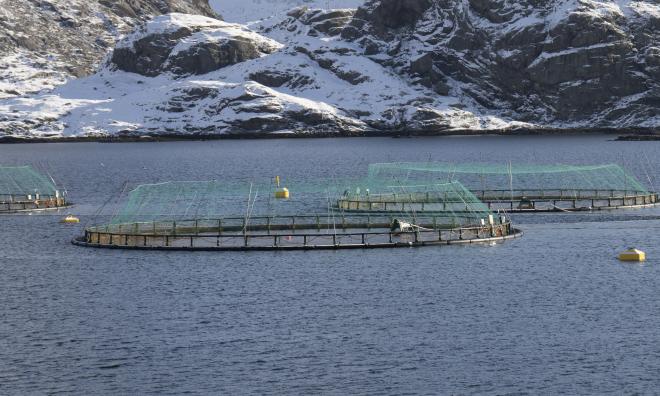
x,y
551,312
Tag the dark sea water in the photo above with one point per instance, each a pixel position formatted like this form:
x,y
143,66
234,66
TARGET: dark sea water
x,y
552,312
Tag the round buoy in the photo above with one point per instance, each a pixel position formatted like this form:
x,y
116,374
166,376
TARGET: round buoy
x,y
70,219
280,192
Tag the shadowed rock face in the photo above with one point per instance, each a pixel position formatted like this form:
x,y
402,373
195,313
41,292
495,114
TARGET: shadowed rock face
x,y
543,61
196,46
151,56
207,57
398,13
148,55
66,39
141,8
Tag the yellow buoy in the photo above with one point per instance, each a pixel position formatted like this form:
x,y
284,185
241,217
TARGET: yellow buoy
x,y
281,192
632,255
70,219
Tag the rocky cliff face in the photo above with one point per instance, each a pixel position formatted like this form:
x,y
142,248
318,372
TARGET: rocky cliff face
x,y
43,43
389,65
183,44
562,61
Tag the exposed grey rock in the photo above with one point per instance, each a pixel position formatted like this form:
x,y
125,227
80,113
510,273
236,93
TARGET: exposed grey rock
x,y
394,14
551,68
206,57
70,38
195,46
148,55
316,22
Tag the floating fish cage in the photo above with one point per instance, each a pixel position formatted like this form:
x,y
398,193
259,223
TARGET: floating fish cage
x,y
148,221
22,189
511,188
293,233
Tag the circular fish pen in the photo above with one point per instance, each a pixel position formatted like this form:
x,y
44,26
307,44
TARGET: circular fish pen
x,y
510,188
500,200
293,233
22,189
197,216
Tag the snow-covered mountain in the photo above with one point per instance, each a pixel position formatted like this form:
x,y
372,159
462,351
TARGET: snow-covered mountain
x,y
430,65
248,11
44,43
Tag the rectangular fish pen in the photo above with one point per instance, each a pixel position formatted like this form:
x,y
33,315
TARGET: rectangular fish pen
x,y
203,216
22,189
508,187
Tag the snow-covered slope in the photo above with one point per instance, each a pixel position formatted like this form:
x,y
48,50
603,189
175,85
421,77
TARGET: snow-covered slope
x,y
44,43
247,11
431,65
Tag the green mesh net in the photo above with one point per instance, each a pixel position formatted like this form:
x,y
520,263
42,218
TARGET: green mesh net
x,y
451,199
203,200
570,179
213,199
23,181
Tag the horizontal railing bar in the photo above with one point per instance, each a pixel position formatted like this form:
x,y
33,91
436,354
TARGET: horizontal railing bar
x,y
429,231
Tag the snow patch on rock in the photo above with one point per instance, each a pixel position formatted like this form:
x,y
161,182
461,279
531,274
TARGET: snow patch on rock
x,y
170,23
247,11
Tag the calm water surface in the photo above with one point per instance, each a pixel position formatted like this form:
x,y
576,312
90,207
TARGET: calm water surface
x,y
553,312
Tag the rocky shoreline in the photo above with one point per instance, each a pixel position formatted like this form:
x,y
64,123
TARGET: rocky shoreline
x,y
637,134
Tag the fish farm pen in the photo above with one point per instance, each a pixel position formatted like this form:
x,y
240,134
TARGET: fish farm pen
x,y
198,216
22,189
510,188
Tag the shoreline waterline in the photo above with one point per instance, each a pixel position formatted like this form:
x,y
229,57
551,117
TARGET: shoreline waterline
x,y
623,135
